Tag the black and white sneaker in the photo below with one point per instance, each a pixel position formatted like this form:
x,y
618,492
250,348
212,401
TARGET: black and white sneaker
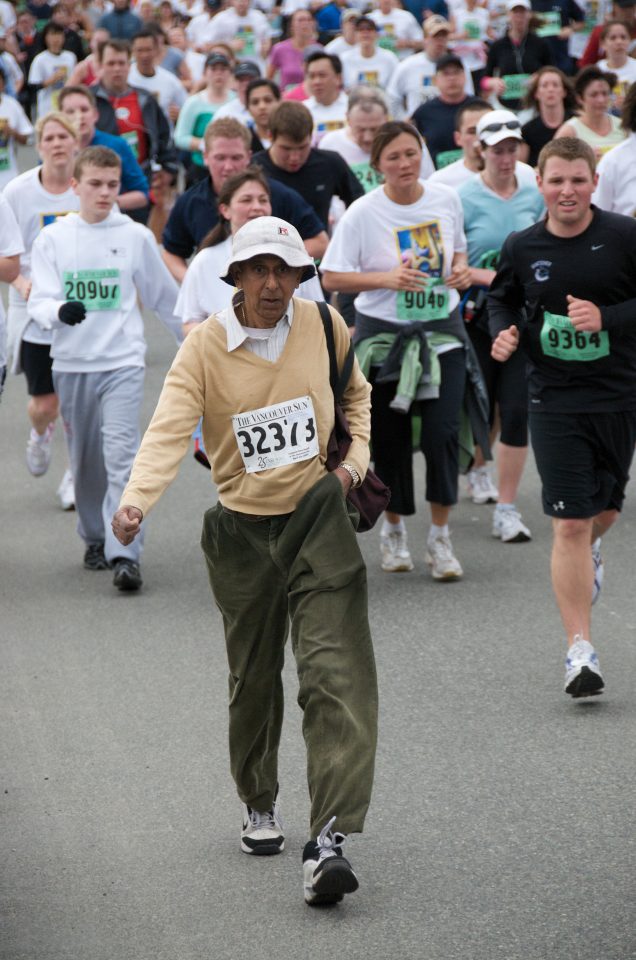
x,y
94,558
262,833
327,875
127,574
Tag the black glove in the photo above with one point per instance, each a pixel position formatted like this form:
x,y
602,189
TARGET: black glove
x,y
72,312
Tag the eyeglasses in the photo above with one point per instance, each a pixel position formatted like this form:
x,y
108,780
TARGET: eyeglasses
x,y
496,127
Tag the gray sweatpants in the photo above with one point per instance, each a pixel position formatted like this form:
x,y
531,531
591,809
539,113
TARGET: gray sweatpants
x,y
101,417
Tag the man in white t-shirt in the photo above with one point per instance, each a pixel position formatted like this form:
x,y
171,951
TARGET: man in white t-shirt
x,y
51,69
15,127
413,82
245,30
467,140
367,63
163,85
399,30
347,39
327,102
11,247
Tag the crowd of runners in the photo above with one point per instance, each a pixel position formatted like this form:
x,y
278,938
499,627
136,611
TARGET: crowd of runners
x,y
456,181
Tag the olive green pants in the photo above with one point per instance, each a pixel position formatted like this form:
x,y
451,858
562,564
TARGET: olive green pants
x,y
305,567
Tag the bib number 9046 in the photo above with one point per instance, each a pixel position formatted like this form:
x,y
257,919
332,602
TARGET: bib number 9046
x,y
277,435
429,303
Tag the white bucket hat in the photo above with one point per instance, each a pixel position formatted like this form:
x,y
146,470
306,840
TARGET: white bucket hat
x,y
498,125
269,236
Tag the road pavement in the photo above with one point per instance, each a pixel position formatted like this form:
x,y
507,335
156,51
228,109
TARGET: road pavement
x,y
501,826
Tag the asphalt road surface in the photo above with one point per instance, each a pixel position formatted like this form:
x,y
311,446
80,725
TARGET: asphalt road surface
x,y
502,822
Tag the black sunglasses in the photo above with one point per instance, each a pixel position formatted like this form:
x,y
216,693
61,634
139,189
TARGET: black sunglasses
x,y
496,127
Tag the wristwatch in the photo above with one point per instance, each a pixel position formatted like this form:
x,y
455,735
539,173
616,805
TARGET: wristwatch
x,y
353,473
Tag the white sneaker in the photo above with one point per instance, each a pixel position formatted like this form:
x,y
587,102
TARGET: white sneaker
x,y
508,527
442,561
327,875
597,560
582,673
66,491
38,451
394,551
481,487
262,833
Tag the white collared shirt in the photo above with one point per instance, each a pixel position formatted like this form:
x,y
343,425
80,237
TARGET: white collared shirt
x,y
265,343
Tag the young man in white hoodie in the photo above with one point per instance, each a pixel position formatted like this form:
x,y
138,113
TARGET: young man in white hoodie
x,y
88,270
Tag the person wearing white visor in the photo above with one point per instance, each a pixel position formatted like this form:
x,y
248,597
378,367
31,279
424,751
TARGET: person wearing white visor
x,y
280,545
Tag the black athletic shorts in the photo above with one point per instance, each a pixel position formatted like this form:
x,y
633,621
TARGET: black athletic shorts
x,y
36,362
583,460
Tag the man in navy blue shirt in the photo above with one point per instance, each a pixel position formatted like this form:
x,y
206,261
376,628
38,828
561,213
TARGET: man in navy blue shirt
x,y
435,119
227,151
121,23
568,17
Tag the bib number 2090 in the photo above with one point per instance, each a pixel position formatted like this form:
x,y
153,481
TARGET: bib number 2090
x,y
277,435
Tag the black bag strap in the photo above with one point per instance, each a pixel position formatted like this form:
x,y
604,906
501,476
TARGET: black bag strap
x,y
337,380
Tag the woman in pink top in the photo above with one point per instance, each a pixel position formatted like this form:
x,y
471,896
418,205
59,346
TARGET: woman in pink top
x,y
287,57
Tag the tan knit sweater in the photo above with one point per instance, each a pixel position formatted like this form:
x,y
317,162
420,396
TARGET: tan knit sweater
x,y
205,380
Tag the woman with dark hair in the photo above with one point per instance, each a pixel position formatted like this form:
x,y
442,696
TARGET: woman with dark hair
x,y
515,57
551,95
594,124
402,249
616,187
261,98
242,198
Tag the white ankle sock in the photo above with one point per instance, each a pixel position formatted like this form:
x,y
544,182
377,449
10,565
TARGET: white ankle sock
x,y
388,527
436,531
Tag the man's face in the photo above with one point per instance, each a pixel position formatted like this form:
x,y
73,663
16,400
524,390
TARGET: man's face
x,y
435,47
217,77
322,81
567,187
97,190
223,157
625,14
26,23
450,82
366,36
289,154
241,7
466,136
120,4
54,42
61,14
114,70
145,52
82,114
269,285
261,104
364,125
502,158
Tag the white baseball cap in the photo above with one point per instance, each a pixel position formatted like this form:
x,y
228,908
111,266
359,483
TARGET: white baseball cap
x,y
498,125
269,236
511,4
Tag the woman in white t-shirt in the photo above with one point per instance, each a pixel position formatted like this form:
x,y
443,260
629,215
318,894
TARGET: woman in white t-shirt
x,y
402,248
616,41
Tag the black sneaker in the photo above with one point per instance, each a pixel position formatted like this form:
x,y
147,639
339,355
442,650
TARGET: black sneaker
x,y
94,558
127,574
327,875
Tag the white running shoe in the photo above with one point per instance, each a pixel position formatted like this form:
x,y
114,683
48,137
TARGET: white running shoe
x,y
262,833
394,551
582,673
442,561
481,487
508,527
327,875
38,451
597,560
66,491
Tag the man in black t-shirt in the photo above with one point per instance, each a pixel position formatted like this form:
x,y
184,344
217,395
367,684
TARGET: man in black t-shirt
x,y
435,119
317,175
566,292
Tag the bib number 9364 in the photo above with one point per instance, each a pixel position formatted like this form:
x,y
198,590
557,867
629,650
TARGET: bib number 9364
x,y
278,435
559,339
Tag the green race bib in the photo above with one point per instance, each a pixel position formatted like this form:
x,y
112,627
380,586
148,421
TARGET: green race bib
x,y
472,29
249,45
132,139
559,339
430,303
447,156
368,177
387,42
551,25
516,86
5,160
96,289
